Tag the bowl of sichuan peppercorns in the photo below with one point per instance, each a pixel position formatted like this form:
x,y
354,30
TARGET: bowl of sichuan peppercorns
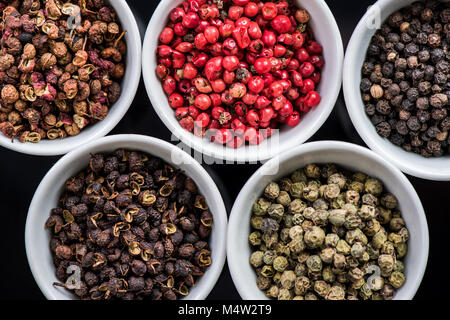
x,y
328,221
127,217
68,72
243,80
396,84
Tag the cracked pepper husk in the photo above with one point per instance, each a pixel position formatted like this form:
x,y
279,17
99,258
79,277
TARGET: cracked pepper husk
x,y
327,233
405,79
60,71
135,227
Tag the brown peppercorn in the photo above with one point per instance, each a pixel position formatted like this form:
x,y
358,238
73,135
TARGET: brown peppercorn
x,y
302,16
9,94
376,91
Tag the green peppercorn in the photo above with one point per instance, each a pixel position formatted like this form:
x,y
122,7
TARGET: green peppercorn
x,y
328,274
314,263
397,279
386,263
355,274
320,218
343,247
337,217
356,186
358,250
267,271
331,191
398,266
309,213
298,176
280,263
402,250
288,220
297,219
287,279
255,238
272,191
256,259
336,293
389,201
352,197
276,211
284,294
321,288
338,179
373,186
327,255
310,193
331,240
269,256
296,190
302,285
385,215
396,224
314,237
297,206
312,171
285,184
263,283
256,222
356,235
310,296
273,292
261,206
284,198
296,246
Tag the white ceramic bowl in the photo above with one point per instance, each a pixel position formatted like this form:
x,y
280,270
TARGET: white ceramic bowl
x,y
48,193
129,85
408,162
347,155
326,32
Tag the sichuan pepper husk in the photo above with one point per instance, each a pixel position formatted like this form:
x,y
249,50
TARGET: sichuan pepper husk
x,y
135,226
405,79
58,73
328,233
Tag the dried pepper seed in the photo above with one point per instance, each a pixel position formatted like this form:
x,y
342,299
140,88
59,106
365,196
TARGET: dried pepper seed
x,y
404,83
131,245
220,57
323,242
51,67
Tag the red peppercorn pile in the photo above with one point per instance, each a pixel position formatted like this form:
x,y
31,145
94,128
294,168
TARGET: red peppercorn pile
x,y
234,70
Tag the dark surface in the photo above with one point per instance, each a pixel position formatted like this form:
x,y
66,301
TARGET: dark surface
x,y
21,175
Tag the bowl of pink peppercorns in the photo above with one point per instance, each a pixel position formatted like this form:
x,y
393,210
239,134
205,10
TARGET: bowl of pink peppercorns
x,y
242,80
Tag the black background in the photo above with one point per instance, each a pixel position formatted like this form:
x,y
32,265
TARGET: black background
x,y
21,174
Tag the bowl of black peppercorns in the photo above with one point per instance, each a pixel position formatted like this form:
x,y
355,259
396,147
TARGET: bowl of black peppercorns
x,y
127,217
68,72
396,84
327,221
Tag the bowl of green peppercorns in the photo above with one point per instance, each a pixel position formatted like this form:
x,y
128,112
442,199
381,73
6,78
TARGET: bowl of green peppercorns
x,y
328,221
396,84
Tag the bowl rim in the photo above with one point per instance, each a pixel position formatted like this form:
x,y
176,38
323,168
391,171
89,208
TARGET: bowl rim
x,y
220,217
355,107
102,128
241,154
235,219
